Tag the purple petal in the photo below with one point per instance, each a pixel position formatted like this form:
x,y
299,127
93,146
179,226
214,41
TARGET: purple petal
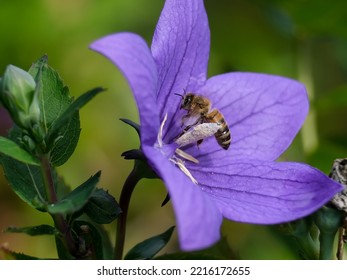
x,y
266,192
131,55
180,48
197,217
264,113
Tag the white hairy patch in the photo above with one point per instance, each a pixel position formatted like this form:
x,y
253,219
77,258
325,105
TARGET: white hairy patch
x,y
198,132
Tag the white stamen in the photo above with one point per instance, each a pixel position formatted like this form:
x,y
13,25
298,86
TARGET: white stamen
x,y
186,156
177,161
198,132
181,166
160,133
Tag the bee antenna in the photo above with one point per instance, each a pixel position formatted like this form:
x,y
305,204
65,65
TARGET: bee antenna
x,y
178,94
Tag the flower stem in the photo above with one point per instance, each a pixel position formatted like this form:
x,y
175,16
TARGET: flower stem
x,y
59,221
328,221
326,241
341,240
48,179
129,185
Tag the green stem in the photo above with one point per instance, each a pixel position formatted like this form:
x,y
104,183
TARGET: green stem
x,y
326,241
124,201
341,243
328,221
48,179
59,221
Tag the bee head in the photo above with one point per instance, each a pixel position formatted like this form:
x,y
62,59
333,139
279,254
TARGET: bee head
x,y
186,100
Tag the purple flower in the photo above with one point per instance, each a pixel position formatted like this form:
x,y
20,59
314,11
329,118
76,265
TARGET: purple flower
x,y
264,113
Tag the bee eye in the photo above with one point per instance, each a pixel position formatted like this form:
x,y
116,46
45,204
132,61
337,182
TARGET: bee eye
x,y
187,100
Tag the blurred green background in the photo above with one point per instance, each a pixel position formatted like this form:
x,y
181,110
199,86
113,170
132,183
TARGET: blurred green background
x,y
305,40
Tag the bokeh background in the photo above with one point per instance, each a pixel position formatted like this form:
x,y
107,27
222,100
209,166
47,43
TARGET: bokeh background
x,y
301,39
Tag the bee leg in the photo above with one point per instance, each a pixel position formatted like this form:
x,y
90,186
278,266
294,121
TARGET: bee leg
x,y
187,127
184,118
183,132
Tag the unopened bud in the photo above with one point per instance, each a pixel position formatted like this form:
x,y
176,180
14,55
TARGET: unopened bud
x,y
17,94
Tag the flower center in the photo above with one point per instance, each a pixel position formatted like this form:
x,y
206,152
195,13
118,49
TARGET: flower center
x,y
196,134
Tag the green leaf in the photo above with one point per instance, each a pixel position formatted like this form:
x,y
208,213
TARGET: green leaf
x,y
65,144
54,96
35,230
54,99
66,126
76,199
102,208
91,244
26,181
71,112
10,255
148,248
13,150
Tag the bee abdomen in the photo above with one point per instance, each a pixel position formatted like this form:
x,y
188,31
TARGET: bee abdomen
x,y
223,136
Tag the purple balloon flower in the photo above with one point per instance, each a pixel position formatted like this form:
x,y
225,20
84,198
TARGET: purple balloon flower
x,y
264,113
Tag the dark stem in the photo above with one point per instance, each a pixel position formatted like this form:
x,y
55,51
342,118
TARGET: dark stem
x,y
48,181
59,221
124,201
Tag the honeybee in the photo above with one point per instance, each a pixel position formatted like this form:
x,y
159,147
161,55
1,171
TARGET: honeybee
x,y
199,108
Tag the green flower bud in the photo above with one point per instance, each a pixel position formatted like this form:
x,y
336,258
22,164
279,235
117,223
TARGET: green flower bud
x,y
17,94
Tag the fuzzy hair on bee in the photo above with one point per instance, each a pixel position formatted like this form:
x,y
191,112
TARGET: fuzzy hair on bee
x,y
197,133
199,110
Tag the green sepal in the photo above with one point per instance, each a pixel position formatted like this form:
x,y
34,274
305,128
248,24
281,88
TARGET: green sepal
x,y
13,150
141,165
34,230
102,208
76,199
133,125
148,248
